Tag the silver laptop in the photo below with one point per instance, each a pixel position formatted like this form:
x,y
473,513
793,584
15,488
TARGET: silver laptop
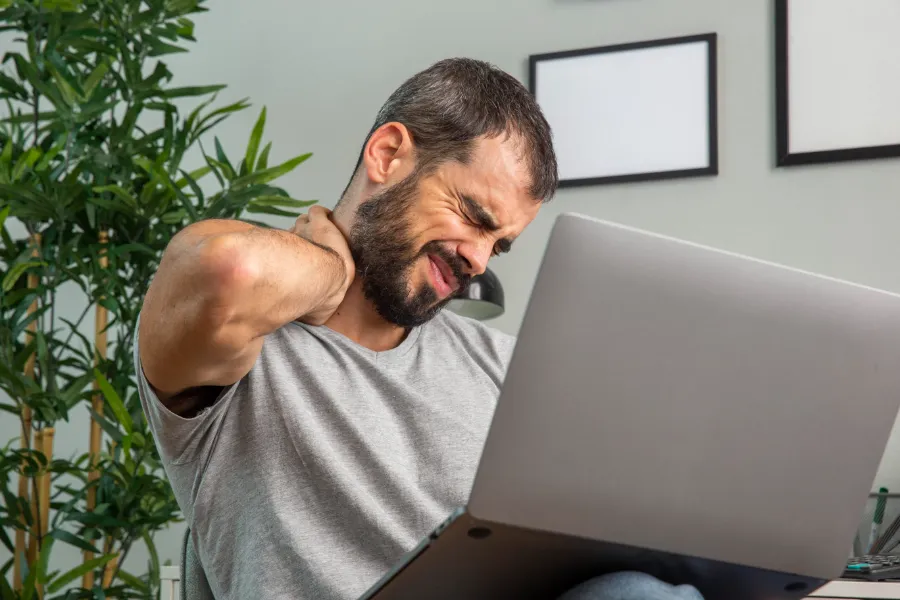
x,y
674,409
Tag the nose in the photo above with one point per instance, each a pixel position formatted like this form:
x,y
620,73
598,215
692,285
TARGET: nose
x,y
476,257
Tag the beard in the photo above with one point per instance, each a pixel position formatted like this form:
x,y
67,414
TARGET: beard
x,y
386,255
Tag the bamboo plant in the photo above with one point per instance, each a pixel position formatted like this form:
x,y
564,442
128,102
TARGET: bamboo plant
x,y
95,146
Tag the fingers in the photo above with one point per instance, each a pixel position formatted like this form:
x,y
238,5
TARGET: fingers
x,y
318,212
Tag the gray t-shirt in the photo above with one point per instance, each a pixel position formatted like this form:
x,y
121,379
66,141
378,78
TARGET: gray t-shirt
x,y
313,475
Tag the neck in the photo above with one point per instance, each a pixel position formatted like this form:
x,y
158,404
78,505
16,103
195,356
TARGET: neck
x,y
358,320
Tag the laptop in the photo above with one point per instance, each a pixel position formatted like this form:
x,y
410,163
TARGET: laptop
x,y
674,409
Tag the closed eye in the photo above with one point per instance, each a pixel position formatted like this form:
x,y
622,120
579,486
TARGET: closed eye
x,y
502,247
477,216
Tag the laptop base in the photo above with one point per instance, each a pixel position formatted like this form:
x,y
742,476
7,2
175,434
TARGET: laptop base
x,y
472,559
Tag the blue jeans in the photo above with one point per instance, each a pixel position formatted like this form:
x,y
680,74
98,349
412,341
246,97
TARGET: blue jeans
x,y
630,586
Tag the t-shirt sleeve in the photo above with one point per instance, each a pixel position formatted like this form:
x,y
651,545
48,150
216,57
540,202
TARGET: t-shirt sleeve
x,y
180,440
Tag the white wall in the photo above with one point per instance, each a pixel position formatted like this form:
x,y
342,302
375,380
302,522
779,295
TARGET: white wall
x,y
324,68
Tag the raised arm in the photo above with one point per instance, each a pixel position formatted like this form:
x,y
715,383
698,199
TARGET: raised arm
x,y
223,285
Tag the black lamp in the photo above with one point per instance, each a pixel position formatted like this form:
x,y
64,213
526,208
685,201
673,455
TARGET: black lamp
x,y
483,300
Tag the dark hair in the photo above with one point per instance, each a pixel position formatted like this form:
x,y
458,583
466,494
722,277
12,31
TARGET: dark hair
x,y
449,105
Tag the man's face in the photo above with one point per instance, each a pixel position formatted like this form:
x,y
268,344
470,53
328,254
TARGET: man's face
x,y
418,243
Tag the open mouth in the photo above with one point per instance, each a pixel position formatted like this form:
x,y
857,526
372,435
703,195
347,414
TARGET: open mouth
x,y
442,275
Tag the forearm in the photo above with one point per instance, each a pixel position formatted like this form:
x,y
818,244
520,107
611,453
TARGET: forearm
x,y
220,288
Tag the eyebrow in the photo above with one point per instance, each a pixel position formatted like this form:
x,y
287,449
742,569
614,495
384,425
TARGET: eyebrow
x,y
485,219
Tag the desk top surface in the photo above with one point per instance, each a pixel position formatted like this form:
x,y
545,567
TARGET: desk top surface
x,y
857,590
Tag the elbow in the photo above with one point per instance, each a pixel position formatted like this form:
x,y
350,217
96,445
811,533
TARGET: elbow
x,y
225,266
219,271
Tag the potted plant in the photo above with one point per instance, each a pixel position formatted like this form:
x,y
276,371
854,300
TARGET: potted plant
x,y
94,182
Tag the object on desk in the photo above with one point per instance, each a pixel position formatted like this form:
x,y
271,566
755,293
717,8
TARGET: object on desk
x,y
880,567
877,518
482,300
859,590
884,544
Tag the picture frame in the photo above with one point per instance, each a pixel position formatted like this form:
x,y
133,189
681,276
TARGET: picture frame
x,y
637,111
836,91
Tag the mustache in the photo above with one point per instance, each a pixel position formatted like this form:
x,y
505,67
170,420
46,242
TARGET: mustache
x,y
456,263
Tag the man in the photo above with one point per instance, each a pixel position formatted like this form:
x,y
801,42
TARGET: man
x,y
317,412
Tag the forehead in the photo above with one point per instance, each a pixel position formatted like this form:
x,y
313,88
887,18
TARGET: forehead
x,y
496,177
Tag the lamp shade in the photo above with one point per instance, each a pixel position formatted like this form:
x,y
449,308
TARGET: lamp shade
x,y
483,299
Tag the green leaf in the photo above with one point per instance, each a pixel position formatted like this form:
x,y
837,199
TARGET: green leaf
x,y
13,87
195,174
75,389
106,425
153,169
220,170
161,106
126,449
4,537
154,555
6,592
185,28
44,559
98,520
26,161
73,574
264,158
52,153
93,109
115,403
71,94
28,586
212,166
223,160
91,212
160,48
196,188
42,352
174,217
6,160
281,201
270,210
17,271
69,538
272,173
182,92
111,204
133,581
126,249
160,72
95,78
121,193
255,137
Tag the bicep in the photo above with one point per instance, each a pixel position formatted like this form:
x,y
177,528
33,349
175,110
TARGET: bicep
x,y
186,339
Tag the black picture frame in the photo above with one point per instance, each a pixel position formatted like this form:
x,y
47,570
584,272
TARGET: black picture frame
x,y
711,169
785,157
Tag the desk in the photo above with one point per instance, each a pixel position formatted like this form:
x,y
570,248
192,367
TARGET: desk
x,y
836,590
858,590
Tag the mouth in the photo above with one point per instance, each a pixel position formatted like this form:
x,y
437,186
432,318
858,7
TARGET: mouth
x,y
442,276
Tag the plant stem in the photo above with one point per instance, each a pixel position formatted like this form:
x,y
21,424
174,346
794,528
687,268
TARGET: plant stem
x,y
123,552
72,332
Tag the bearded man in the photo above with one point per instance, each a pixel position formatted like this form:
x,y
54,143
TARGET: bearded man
x,y
317,412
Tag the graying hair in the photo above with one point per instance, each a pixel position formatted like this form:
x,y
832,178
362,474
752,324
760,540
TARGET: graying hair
x,y
451,104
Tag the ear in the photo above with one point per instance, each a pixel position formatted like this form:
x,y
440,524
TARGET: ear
x,y
388,155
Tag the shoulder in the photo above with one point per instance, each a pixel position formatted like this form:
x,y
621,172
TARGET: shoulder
x,y
476,337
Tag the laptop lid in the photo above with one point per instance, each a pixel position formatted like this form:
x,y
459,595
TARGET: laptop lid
x,y
671,396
